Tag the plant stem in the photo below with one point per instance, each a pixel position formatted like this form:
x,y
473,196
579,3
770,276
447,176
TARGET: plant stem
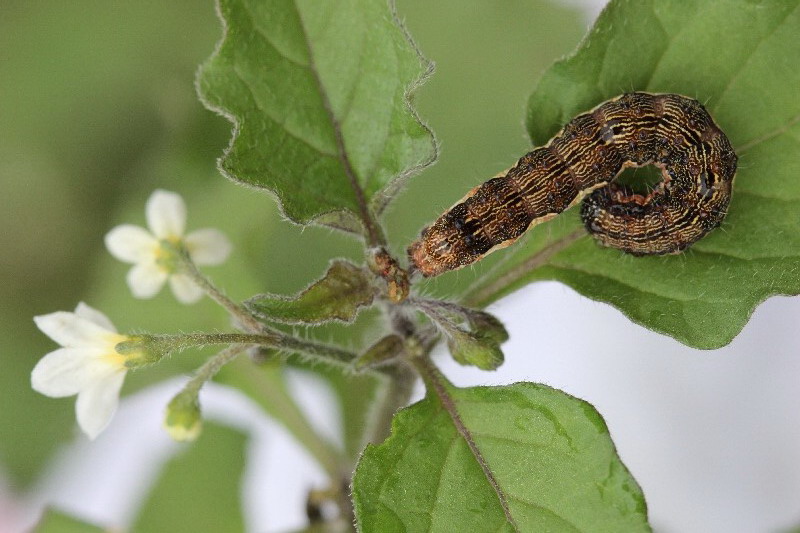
x,y
247,321
482,295
268,388
329,354
396,394
320,352
213,365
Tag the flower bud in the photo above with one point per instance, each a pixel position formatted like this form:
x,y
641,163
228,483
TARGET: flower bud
x,y
488,325
477,349
183,421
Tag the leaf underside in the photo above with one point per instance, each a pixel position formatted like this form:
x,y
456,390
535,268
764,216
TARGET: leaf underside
x,y
552,463
742,60
318,94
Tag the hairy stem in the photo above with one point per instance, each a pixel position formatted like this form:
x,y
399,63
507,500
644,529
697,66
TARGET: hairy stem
x,y
396,394
246,320
483,294
213,365
320,352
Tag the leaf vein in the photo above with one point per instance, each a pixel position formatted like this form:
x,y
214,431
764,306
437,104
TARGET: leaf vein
x,y
448,403
373,233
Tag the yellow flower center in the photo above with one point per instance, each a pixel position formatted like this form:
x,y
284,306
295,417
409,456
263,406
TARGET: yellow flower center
x,y
167,254
111,354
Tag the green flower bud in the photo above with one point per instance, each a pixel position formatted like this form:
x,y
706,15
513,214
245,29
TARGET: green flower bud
x,y
476,349
488,325
183,421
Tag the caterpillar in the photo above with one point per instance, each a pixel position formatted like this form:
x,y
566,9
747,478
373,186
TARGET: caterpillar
x,y
673,132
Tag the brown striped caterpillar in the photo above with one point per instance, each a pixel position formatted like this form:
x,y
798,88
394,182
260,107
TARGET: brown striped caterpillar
x,y
673,132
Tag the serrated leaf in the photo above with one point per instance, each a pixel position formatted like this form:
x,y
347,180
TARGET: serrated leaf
x,y
527,458
742,59
199,489
55,521
318,93
338,295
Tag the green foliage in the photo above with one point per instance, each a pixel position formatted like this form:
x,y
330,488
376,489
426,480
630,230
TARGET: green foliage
x,y
742,59
339,295
318,94
199,489
528,458
94,126
54,521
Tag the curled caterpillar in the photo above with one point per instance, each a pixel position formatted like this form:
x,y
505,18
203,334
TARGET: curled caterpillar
x,y
672,132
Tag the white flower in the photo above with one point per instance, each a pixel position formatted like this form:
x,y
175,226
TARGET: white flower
x,y
153,264
86,364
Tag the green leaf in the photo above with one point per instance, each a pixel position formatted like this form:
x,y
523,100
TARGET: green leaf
x,y
473,337
55,521
385,349
199,489
339,295
742,59
523,457
318,93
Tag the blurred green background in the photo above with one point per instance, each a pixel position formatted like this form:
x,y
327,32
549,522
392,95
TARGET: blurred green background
x,y
97,109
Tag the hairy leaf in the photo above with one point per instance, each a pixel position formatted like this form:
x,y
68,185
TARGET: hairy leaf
x,y
742,59
523,457
385,349
318,94
338,295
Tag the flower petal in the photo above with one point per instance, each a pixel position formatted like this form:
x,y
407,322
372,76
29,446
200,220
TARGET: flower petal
x,y
67,371
166,214
146,279
70,330
97,403
208,246
185,290
91,314
131,244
